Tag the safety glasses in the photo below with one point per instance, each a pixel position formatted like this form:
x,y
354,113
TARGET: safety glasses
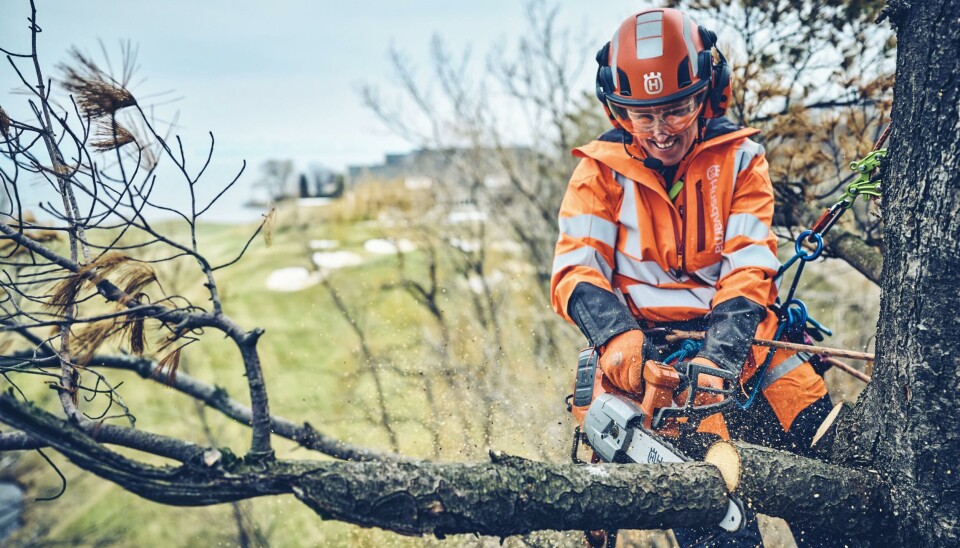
x,y
673,117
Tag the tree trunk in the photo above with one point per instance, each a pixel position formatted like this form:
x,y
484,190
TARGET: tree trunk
x,y
904,425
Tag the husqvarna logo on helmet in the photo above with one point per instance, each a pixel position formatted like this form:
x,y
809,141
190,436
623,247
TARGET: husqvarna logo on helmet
x,y
652,83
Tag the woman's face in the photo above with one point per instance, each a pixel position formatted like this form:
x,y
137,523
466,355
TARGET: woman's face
x,y
665,132
667,147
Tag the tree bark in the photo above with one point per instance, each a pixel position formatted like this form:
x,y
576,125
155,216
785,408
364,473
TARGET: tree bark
x,y
508,496
904,423
514,496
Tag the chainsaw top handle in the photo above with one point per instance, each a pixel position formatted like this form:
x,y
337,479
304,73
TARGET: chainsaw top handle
x,y
690,373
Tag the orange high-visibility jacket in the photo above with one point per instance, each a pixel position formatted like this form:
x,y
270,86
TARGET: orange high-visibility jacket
x,y
709,250
669,260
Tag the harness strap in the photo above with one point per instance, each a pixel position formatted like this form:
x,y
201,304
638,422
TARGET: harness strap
x,y
788,365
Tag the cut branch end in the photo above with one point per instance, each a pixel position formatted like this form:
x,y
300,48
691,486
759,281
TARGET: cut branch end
x,y
726,458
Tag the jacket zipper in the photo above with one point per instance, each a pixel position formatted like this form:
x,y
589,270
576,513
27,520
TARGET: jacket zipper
x,y
701,221
676,234
681,240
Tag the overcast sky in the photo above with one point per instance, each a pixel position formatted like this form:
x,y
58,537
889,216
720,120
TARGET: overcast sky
x,y
278,79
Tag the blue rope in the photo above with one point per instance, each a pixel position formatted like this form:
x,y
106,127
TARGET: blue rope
x,y
762,370
688,347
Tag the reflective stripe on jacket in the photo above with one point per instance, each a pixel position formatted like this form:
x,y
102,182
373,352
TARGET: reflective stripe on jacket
x,y
670,260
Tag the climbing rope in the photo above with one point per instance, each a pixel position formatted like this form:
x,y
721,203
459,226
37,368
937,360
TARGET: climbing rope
x,y
795,320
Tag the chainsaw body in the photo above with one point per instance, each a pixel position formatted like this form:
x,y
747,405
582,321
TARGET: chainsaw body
x,y
662,387
627,428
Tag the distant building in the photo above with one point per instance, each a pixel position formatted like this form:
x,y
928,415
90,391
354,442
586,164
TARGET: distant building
x,y
420,168
283,180
460,180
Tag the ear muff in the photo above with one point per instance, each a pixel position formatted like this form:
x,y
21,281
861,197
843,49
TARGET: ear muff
x,y
718,97
704,64
605,83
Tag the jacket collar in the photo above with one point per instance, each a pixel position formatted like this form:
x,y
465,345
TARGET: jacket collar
x,y
608,149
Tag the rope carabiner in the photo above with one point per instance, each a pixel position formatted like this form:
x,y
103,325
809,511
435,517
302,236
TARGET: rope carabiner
x,y
802,254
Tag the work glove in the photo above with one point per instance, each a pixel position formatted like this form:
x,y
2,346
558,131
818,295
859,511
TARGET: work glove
x,y
622,359
703,381
732,326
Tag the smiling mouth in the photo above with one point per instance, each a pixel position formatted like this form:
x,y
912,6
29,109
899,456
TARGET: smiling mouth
x,y
666,145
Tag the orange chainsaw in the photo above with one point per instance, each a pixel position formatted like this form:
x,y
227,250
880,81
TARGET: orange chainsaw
x,y
623,428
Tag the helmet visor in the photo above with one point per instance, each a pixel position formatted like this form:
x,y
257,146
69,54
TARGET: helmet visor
x,y
672,118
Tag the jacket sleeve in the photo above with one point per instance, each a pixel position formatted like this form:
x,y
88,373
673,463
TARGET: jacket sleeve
x,y
580,287
748,263
600,315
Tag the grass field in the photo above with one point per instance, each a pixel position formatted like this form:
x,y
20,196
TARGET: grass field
x,y
485,377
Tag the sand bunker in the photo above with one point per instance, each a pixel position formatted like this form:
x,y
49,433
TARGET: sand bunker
x,y
336,259
297,277
322,245
466,216
293,278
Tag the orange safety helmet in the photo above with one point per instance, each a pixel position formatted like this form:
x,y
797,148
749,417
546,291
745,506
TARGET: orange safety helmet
x,y
659,56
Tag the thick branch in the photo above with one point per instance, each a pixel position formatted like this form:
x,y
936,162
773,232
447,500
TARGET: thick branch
x,y
804,491
34,437
506,497
190,484
19,441
850,247
513,496
165,446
